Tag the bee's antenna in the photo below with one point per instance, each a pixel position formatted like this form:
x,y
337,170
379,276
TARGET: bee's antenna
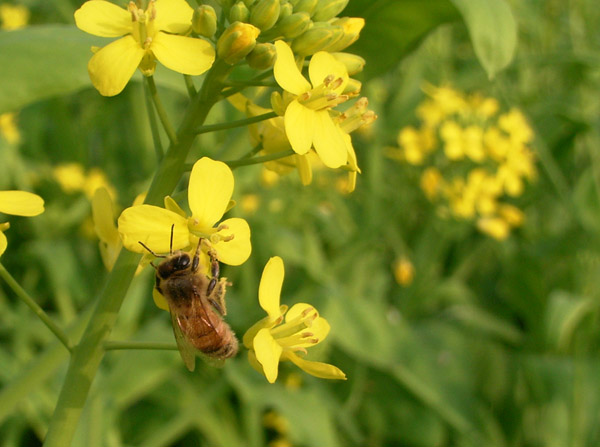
x,y
146,247
171,244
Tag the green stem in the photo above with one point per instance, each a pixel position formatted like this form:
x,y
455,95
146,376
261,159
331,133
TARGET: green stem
x,y
162,114
234,124
158,148
24,296
116,345
88,354
256,160
189,85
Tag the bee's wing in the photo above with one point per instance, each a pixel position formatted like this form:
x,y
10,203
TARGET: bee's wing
x,y
186,350
201,311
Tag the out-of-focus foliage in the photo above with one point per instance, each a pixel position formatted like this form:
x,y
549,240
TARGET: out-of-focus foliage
x,y
489,344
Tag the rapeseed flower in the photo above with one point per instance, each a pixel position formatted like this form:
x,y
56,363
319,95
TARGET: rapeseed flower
x,y
209,193
18,203
145,36
271,340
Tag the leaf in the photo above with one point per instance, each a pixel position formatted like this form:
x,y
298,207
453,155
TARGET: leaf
x,y
493,31
394,28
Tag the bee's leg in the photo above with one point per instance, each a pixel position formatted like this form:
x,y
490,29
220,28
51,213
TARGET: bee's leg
x,y
217,300
214,271
196,260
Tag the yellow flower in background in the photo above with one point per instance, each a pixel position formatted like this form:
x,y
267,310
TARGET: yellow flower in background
x,y
483,157
209,194
145,36
13,16
284,333
404,271
72,178
18,203
308,123
9,129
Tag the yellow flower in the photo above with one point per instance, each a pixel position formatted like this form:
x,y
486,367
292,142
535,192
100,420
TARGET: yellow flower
x,y
13,16
404,271
148,35
72,178
18,203
9,129
494,226
271,340
431,182
307,119
103,213
209,193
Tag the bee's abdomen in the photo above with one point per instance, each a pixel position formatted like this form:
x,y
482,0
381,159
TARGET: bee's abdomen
x,y
215,339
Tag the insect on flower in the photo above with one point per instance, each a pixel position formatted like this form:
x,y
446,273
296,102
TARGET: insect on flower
x,y
197,305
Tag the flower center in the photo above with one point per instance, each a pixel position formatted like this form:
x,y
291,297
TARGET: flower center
x,y
294,332
323,96
213,235
143,30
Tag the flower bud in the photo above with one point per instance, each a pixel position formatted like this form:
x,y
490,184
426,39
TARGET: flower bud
x,y
237,41
277,103
328,9
294,25
249,3
351,27
286,10
265,14
306,6
204,21
226,5
316,39
239,13
354,63
262,56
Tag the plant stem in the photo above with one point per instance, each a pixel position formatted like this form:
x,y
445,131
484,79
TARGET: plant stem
x,y
256,160
162,114
89,352
24,296
189,85
234,124
116,345
153,124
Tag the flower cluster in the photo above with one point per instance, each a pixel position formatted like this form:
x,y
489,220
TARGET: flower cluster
x,y
473,157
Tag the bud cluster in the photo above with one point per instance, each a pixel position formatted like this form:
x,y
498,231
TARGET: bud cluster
x,y
250,26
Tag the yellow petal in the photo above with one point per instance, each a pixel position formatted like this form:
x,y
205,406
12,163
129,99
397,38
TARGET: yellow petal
x,y
268,353
237,250
3,243
104,217
300,127
328,140
103,19
21,203
269,290
183,54
152,226
286,72
159,300
304,169
317,369
172,205
323,64
209,191
112,67
254,363
173,16
249,335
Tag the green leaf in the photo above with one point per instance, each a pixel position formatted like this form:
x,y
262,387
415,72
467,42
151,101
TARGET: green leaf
x,y
493,31
394,28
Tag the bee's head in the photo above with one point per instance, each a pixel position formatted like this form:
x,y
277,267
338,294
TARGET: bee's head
x,y
175,263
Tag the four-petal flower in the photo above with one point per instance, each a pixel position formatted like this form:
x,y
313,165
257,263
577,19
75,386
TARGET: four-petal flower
x,y
18,203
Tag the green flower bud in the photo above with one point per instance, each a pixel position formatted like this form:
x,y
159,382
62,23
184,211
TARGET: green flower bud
x,y
286,10
294,25
249,3
239,13
265,14
236,42
262,56
352,87
226,5
316,39
328,9
354,63
204,21
277,103
351,27
306,6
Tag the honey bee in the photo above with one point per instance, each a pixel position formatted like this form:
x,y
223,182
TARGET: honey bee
x,y
197,306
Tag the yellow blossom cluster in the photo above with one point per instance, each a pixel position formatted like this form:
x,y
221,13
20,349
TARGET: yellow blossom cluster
x,y
473,157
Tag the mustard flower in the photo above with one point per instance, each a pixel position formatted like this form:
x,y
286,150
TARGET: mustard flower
x,y
146,35
307,119
209,193
18,203
13,16
272,340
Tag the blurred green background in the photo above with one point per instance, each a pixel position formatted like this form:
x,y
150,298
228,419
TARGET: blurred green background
x,y
492,343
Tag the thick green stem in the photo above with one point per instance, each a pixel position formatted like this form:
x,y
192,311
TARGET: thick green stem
x,y
89,352
24,296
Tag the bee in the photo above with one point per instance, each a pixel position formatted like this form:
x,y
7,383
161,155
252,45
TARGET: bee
x,y
197,306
